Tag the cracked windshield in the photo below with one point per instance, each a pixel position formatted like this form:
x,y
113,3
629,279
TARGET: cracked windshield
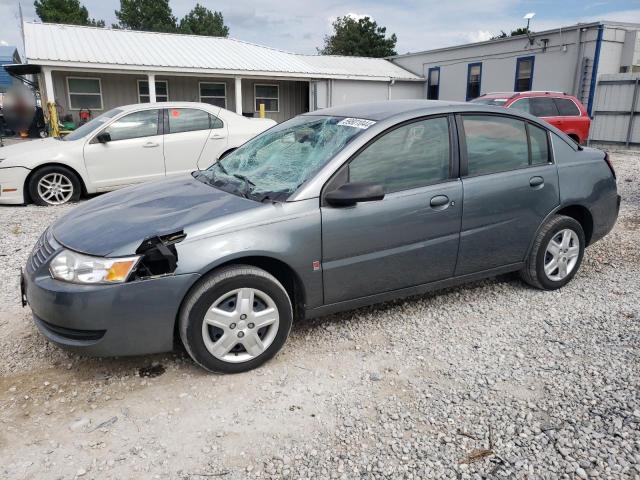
x,y
276,163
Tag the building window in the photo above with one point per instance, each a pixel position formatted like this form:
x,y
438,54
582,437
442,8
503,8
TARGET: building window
x,y
433,84
162,91
269,95
214,94
474,80
84,93
524,74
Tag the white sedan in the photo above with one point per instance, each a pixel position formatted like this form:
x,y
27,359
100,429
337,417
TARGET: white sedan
x,y
126,145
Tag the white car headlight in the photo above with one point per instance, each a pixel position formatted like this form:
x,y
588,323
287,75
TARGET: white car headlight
x,y
78,268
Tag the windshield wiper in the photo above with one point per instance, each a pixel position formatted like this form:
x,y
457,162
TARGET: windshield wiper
x,y
248,184
221,167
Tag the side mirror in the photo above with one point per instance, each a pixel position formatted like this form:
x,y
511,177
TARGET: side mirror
x,y
104,137
351,193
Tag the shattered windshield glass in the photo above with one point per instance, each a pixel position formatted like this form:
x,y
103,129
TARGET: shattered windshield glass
x,y
274,164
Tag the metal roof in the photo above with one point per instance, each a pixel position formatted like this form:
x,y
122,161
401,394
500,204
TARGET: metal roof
x,y
106,48
517,38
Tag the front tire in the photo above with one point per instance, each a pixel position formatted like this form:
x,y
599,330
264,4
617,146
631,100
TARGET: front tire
x,y
54,185
556,255
235,319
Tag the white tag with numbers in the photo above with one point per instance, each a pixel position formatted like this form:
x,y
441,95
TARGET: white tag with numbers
x,y
356,122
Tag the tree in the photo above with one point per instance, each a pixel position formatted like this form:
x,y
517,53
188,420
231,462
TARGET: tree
x,y
514,33
202,21
146,15
69,12
358,37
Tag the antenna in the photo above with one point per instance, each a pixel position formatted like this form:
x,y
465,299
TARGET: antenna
x,y
24,48
528,18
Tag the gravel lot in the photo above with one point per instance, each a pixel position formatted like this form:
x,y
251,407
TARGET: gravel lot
x,y
491,380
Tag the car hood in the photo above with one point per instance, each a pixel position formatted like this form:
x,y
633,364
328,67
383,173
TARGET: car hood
x,y
23,153
121,220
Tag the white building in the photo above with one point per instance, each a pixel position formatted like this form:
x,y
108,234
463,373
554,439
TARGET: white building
x,y
101,68
567,59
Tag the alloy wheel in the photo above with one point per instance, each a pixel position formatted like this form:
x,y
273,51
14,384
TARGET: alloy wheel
x,y
55,188
240,325
561,255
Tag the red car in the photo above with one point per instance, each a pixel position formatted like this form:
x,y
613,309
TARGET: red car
x,y
563,111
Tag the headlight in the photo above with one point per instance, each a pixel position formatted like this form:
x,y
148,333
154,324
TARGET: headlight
x,y
78,268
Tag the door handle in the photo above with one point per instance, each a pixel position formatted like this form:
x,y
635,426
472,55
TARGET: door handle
x,y
439,202
151,145
536,182
217,136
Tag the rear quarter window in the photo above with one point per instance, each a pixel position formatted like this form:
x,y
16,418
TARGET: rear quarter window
x,y
562,151
566,107
539,141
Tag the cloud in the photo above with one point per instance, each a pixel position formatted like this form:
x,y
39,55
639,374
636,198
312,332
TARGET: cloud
x,y
300,26
479,36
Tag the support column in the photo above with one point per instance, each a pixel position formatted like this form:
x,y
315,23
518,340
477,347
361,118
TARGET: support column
x,y
151,78
48,85
238,91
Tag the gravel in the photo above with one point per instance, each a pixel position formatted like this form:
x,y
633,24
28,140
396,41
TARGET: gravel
x,y
489,380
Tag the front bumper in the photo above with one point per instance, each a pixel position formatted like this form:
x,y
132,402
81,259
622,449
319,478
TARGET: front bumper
x,y
132,318
12,185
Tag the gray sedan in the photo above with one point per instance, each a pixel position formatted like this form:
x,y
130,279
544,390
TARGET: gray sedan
x,y
329,211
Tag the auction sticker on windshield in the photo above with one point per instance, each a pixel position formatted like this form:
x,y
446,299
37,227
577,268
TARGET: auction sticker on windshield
x,y
356,122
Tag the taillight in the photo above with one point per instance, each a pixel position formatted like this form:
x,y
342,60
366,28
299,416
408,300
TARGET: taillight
x,y
608,160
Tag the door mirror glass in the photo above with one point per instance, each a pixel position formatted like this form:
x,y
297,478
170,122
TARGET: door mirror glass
x,y
351,193
104,137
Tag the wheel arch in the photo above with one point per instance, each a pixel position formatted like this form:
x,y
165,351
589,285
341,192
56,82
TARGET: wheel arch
x,y
282,271
575,137
227,152
27,194
578,212
582,215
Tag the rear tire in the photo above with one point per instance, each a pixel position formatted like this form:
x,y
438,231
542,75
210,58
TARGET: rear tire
x,y
235,319
556,254
54,185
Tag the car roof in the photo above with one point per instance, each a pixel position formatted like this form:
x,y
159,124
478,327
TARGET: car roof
x,y
529,93
136,106
386,109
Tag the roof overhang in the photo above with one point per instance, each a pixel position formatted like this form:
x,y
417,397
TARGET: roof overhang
x,y
143,69
22,69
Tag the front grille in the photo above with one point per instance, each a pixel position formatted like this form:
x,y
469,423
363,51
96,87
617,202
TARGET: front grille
x,y
42,251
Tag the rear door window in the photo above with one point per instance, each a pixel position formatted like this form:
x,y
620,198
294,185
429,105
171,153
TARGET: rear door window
x,y
495,144
188,120
566,107
410,156
543,107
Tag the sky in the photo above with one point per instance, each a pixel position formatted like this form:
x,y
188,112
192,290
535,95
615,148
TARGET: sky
x,y
300,25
